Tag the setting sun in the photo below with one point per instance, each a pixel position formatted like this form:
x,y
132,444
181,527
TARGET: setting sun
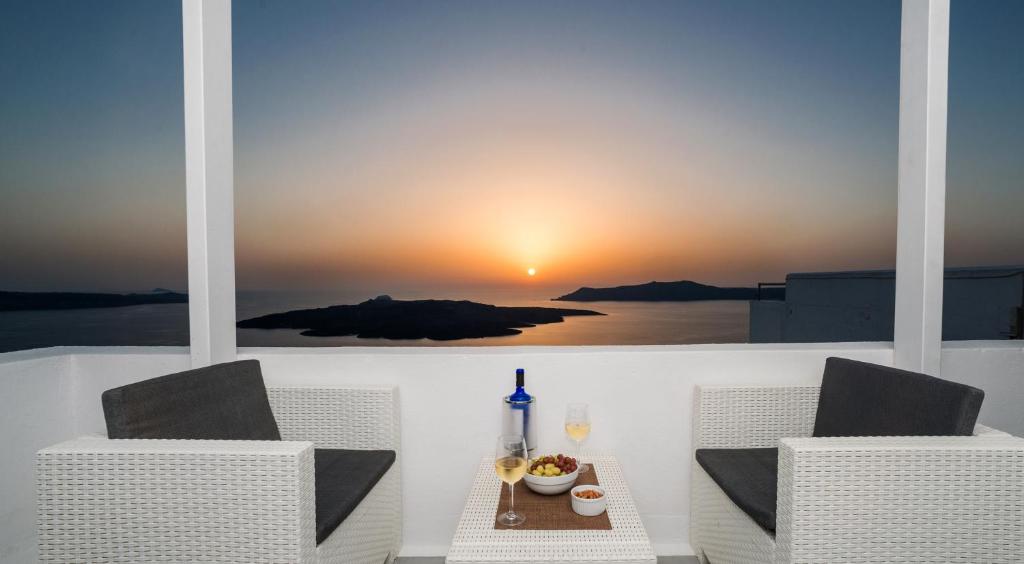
x,y
531,271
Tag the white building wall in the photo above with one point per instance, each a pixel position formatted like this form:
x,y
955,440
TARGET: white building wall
x,y
982,308
979,303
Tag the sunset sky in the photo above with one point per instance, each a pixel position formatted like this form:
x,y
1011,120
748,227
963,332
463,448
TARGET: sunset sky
x,y
385,146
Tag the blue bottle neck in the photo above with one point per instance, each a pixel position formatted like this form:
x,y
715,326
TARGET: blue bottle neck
x,y
520,395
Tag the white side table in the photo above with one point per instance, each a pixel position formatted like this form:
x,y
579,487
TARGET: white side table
x,y
477,541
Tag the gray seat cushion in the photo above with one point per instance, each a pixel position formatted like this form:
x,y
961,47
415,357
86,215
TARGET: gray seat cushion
x,y
343,479
225,401
862,399
748,476
857,399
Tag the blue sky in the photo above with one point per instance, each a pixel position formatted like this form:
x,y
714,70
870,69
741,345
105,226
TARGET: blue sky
x,y
623,141
92,155
985,158
417,143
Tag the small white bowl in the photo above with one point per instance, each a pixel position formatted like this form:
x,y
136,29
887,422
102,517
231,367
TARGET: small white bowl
x,y
589,507
551,485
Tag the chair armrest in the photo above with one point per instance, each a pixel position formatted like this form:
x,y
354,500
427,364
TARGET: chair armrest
x,y
175,500
985,431
752,416
921,499
343,417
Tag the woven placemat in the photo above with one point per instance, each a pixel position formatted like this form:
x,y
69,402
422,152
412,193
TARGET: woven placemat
x,y
551,512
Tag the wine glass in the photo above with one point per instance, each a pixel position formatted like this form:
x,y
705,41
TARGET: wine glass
x,y
577,426
510,463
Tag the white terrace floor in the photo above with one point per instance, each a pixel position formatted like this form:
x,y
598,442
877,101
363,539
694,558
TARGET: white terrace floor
x,y
661,560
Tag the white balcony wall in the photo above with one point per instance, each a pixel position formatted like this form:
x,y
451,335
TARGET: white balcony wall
x,y
641,399
36,409
46,398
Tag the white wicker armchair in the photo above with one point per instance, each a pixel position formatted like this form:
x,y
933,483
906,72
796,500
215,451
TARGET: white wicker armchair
x,y
856,499
102,500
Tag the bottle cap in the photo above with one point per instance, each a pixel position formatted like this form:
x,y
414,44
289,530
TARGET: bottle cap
x,y
520,377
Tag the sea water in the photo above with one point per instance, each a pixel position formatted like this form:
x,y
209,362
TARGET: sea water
x,y
626,323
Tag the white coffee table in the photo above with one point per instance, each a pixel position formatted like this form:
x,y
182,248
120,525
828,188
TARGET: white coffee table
x,y
477,541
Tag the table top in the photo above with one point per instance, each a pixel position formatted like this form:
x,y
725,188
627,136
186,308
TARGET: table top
x,y
476,539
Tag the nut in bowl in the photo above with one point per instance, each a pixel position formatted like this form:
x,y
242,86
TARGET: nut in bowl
x,y
588,500
551,474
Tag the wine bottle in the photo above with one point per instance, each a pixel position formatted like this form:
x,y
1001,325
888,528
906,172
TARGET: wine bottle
x,y
520,411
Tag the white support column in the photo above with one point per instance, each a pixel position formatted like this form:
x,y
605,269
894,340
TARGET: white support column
x,y
209,177
924,61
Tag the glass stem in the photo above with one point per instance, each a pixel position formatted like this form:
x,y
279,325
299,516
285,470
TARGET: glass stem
x,y
579,461
512,498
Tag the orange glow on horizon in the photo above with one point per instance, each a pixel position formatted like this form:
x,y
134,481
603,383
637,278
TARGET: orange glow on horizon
x,y
484,194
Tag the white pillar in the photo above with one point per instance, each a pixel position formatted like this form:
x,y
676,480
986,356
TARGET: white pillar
x,y
209,178
924,60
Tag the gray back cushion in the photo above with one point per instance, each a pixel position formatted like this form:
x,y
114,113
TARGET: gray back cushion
x,y
225,401
859,399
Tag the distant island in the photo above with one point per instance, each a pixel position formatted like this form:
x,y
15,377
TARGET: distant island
x,y
439,320
681,291
24,301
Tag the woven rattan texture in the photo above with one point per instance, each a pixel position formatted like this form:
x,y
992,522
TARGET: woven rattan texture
x,y
476,539
902,499
353,418
373,531
550,512
751,417
721,531
175,501
858,499
103,500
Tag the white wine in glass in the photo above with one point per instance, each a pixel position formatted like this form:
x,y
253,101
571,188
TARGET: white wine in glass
x,y
577,431
577,426
510,461
510,469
